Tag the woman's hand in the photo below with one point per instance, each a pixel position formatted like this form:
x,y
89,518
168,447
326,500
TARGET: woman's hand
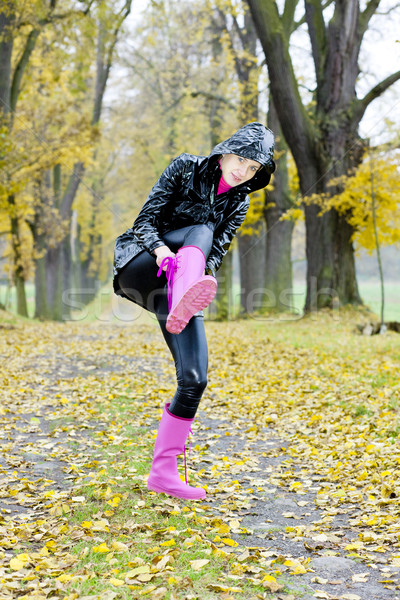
x,y
162,252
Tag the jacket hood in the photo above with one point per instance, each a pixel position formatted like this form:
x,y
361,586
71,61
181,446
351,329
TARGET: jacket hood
x,y
256,142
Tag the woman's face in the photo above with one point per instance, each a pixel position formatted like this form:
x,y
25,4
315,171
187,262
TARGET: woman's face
x,y
236,169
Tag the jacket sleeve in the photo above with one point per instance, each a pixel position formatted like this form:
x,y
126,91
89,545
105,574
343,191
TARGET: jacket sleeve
x,y
224,235
146,227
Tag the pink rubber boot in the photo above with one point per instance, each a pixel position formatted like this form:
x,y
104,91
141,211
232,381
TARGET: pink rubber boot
x,y
170,442
190,290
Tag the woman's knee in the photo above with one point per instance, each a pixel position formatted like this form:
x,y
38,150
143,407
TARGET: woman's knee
x,y
193,380
200,236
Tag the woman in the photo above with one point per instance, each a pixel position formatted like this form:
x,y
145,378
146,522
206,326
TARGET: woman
x,y
183,230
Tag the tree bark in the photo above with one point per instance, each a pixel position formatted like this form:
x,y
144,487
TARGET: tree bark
x,y
18,272
252,271
6,47
278,272
221,308
7,106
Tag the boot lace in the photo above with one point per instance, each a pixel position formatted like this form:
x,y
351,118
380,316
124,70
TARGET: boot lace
x,y
172,265
184,452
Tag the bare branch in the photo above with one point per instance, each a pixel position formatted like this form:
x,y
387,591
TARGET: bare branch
x,y
301,21
211,96
368,13
317,32
208,95
21,66
238,31
362,104
51,17
288,15
105,67
223,26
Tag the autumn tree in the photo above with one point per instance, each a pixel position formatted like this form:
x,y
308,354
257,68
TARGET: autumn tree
x,y
21,25
370,199
42,36
322,135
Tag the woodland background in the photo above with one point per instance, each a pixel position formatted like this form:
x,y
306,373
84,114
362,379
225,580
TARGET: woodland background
x,y
97,96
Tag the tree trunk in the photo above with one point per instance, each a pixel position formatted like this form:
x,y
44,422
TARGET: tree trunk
x,y
278,275
251,246
221,308
278,281
252,271
6,47
18,270
39,240
55,278
41,306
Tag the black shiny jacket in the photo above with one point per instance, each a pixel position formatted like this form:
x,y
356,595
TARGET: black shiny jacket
x,y
186,194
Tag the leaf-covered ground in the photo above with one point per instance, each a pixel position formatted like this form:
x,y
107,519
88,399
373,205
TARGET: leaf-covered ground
x,y
297,442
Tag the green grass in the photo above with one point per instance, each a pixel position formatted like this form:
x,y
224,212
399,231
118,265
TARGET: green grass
x,y
370,294
8,298
106,306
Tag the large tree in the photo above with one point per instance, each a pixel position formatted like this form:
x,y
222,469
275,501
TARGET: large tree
x,y
322,135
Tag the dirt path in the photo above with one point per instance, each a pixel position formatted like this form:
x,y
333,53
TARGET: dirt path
x,y
244,469
269,509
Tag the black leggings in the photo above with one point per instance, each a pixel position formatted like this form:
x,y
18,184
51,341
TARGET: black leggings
x,y
139,282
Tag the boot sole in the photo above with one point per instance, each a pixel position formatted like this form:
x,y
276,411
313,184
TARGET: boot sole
x,y
196,298
196,494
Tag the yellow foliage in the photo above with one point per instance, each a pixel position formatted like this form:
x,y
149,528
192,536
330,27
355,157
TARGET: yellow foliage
x,y
253,222
355,201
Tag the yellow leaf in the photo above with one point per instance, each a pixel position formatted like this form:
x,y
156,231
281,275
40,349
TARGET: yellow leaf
x,y
234,524
102,548
17,564
221,588
224,529
168,543
114,502
119,547
64,578
271,584
229,542
139,570
117,582
354,546
145,577
101,525
198,564
295,566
